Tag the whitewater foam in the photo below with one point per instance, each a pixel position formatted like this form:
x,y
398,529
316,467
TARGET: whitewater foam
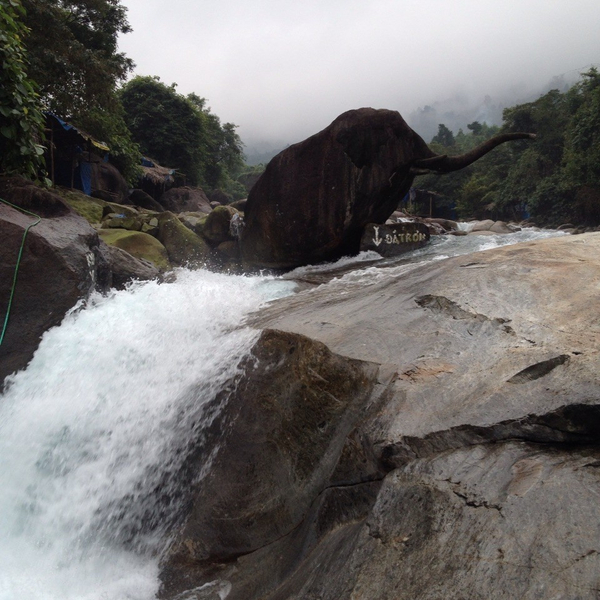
x,y
91,430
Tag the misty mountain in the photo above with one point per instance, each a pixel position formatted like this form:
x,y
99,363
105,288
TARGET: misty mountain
x,y
459,110
257,153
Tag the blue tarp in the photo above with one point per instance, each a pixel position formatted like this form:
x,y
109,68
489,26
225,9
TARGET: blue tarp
x,y
85,174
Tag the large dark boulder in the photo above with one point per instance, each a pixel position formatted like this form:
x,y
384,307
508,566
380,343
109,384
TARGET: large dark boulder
x,y
281,439
63,261
108,183
314,198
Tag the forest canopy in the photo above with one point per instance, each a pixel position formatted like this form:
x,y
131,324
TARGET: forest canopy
x,y
554,179
181,131
62,56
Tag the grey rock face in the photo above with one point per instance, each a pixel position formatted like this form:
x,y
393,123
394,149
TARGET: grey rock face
x,y
394,239
286,427
186,198
63,260
471,469
126,268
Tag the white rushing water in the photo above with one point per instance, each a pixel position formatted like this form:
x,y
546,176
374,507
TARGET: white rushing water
x,y
93,431
108,398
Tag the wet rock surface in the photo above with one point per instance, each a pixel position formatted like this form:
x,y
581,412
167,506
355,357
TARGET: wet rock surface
x,y
285,430
470,470
127,268
62,261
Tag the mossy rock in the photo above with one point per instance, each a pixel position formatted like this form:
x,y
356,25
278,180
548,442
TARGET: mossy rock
x,y
216,226
91,209
118,222
120,209
183,246
138,244
194,221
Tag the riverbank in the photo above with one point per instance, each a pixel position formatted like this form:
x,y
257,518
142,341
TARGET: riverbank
x,y
469,470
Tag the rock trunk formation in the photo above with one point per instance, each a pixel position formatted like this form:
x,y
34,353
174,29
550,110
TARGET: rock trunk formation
x,y
314,199
459,455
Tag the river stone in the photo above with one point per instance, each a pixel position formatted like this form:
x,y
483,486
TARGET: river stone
x,y
91,209
119,209
395,239
185,199
473,474
447,224
239,204
483,225
123,222
127,268
144,200
216,227
184,247
138,244
228,252
62,262
193,221
501,227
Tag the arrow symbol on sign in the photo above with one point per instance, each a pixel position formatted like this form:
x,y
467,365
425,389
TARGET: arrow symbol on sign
x,y
377,240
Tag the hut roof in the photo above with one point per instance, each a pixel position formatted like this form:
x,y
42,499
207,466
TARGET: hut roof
x,y
70,134
156,173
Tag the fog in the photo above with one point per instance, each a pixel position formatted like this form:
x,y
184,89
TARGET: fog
x,y
282,70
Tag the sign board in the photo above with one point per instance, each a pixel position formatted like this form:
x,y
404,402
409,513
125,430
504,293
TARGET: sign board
x,y
391,240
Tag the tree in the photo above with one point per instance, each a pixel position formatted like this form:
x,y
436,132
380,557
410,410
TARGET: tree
x,y
72,50
476,127
556,178
73,59
581,161
166,125
444,136
180,131
21,121
224,157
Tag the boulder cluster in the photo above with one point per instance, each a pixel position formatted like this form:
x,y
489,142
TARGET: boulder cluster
x,y
84,243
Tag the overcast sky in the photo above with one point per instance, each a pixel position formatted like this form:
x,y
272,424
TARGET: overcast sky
x,y
284,69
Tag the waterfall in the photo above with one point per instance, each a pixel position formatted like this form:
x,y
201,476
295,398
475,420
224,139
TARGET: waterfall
x,y
95,427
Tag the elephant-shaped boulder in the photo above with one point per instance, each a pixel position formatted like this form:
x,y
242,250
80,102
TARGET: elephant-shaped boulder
x,y
315,198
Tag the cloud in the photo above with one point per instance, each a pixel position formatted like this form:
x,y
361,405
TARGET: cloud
x,y
282,70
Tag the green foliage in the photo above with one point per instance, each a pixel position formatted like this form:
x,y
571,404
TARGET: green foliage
x,y
21,122
179,131
111,128
73,54
582,143
444,136
166,125
556,177
72,51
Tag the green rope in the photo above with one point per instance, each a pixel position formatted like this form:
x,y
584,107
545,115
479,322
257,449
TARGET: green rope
x,y
14,284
